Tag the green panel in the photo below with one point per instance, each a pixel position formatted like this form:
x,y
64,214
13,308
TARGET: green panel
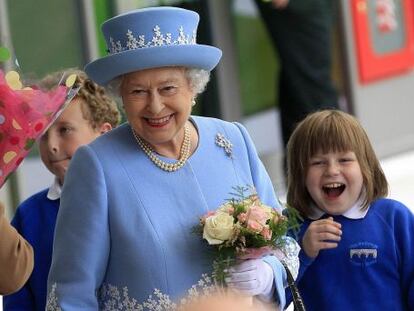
x,y
103,11
46,37
257,65
45,34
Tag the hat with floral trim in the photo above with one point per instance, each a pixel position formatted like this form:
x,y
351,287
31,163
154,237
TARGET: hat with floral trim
x,y
151,38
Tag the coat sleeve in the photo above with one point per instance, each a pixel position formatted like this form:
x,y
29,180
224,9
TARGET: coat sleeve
x,y
22,299
267,195
81,244
16,257
261,178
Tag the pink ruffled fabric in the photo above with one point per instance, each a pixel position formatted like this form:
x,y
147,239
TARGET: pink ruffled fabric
x,y
24,117
255,253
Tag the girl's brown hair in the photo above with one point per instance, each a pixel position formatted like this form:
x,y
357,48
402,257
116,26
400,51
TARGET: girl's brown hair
x,y
98,108
330,131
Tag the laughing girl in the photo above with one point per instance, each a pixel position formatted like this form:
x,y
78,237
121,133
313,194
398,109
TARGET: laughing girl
x,y
357,246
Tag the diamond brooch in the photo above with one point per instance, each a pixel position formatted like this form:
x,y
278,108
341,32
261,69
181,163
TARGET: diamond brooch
x,y
223,142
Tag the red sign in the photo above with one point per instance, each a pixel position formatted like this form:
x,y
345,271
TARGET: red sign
x,y
384,34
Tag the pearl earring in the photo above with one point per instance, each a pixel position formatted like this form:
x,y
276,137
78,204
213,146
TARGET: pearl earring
x,y
193,102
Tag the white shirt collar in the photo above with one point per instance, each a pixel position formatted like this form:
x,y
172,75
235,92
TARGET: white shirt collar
x,y
354,212
54,190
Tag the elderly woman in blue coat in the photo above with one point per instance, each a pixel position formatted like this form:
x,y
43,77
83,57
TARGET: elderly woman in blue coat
x,y
131,197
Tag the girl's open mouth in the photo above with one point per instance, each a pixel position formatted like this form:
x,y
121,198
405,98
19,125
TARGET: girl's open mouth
x,y
333,190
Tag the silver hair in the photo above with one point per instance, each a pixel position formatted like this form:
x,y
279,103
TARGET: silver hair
x,y
197,78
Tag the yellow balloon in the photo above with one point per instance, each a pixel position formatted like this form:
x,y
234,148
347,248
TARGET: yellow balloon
x,y
12,76
13,80
17,85
70,81
8,156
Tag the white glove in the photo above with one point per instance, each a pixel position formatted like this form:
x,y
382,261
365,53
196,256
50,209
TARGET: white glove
x,y
252,277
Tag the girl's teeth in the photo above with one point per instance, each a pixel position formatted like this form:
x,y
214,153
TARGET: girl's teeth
x,y
335,185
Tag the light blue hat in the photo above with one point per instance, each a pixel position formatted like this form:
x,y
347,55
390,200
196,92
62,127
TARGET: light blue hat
x,y
151,38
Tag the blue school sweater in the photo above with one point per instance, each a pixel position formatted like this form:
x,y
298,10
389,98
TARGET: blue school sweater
x,y
371,269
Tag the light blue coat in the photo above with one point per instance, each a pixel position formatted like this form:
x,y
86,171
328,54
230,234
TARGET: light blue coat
x,y
124,225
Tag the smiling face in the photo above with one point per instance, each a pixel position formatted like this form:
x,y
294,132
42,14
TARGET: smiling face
x,y
324,133
62,139
334,181
157,103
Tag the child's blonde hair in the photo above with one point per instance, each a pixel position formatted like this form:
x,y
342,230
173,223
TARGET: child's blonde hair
x,y
98,107
330,131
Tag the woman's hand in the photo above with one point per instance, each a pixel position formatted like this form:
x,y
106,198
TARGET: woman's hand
x,y
321,234
251,277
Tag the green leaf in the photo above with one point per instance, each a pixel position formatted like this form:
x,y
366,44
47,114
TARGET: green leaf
x,y
294,220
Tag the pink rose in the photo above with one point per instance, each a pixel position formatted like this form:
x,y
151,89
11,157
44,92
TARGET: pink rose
x,y
242,217
258,214
266,233
257,217
254,226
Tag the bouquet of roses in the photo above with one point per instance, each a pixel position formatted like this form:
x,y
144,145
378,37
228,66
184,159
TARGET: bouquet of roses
x,y
243,228
25,114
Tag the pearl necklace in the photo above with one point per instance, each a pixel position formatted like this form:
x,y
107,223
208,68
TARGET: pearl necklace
x,y
169,167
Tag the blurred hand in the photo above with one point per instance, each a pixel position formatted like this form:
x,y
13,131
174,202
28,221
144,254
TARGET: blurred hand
x,y
321,234
280,4
251,277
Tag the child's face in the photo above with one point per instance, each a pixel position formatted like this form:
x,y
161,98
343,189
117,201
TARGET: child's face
x,y
66,134
334,181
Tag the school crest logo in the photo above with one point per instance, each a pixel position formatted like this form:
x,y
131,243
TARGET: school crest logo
x,y
363,253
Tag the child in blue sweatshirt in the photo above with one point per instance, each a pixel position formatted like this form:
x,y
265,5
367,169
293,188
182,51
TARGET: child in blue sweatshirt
x,y
90,114
357,246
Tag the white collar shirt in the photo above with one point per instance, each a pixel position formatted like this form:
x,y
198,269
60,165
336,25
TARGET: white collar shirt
x,y
55,190
354,212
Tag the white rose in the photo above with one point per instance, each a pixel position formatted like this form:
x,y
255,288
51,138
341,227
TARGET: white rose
x,y
218,228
